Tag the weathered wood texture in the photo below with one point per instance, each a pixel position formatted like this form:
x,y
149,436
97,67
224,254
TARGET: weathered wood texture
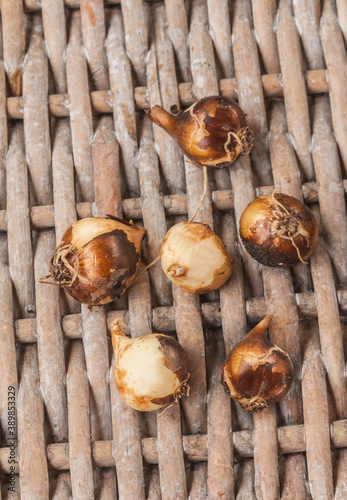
x,y
75,79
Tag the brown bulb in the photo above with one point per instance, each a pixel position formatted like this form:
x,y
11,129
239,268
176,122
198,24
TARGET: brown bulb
x,y
97,259
278,230
212,132
257,373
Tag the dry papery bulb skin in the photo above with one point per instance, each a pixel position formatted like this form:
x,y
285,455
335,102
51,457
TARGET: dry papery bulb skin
x,y
278,230
194,258
150,371
212,132
256,372
97,259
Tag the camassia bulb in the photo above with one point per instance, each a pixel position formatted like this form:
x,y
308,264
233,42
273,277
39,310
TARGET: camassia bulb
x,y
150,371
256,372
97,259
194,258
212,132
278,230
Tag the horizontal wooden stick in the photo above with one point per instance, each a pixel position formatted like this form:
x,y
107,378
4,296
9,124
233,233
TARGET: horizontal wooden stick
x,y
164,317
34,5
42,217
291,439
102,100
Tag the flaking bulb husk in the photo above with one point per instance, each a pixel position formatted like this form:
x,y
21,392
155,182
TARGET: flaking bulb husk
x,y
150,371
97,259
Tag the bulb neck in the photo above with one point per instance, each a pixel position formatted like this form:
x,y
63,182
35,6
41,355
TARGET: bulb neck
x,y
163,119
119,339
137,234
259,331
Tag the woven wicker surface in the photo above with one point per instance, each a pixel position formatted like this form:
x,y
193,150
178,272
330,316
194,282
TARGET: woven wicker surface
x,y
75,77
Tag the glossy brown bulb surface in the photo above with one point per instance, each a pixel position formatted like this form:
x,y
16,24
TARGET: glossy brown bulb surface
x,y
278,230
97,259
212,132
256,372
